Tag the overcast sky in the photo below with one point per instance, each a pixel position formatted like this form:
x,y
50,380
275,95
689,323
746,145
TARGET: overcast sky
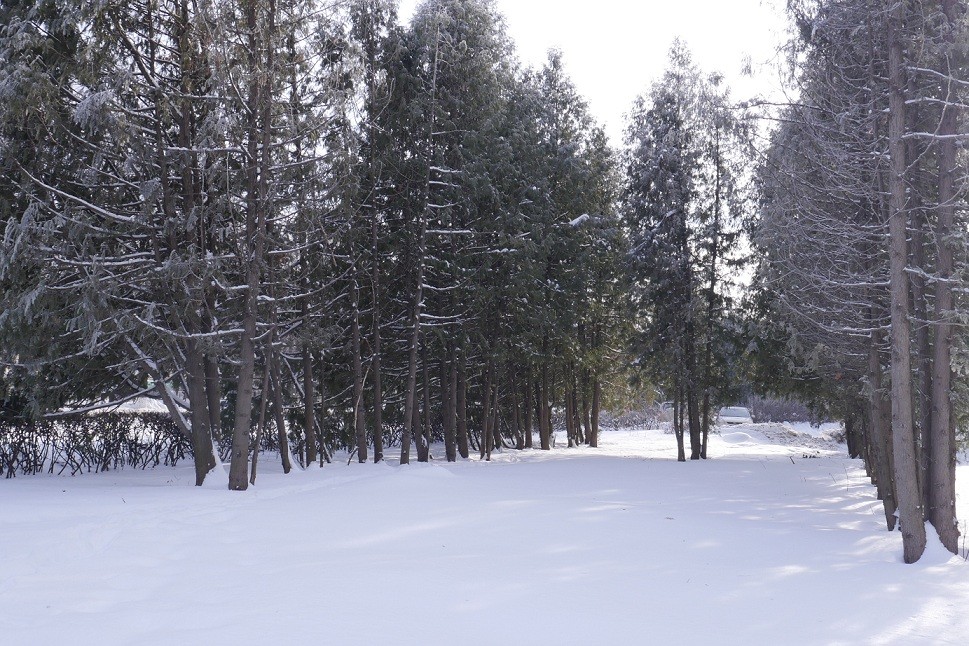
x,y
614,49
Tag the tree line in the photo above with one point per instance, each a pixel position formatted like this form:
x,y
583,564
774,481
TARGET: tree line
x,y
303,218
861,247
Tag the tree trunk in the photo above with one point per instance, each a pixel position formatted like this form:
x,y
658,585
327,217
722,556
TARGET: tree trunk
x,y
851,438
213,390
910,511
923,349
449,395
424,447
880,433
486,437
711,299
570,432
693,419
198,400
586,407
309,403
239,466
705,423
690,385
260,424
257,204
410,394
320,435
596,405
462,404
372,67
868,447
416,425
516,411
576,414
378,397
359,426
545,422
942,462
410,397
678,429
279,410
496,436
527,430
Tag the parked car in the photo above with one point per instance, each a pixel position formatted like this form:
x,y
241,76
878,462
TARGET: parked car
x,y
734,415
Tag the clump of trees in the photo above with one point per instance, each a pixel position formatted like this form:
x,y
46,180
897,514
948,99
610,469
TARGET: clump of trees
x,y
303,224
683,200
861,247
303,219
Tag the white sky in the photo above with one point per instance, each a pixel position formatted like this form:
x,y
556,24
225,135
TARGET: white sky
x,y
615,49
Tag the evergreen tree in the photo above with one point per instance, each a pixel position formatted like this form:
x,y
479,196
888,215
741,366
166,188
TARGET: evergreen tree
x,y
850,170
682,202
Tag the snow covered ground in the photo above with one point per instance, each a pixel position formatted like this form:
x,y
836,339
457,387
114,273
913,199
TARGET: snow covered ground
x,y
776,540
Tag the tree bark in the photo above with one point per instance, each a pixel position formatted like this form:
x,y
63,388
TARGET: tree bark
x,y
678,429
570,431
410,394
372,66
585,387
851,436
496,436
424,446
449,395
486,436
516,410
910,510
309,405
462,404
545,422
711,300
257,186
881,433
693,419
213,391
260,424
596,405
279,410
198,399
527,430
410,397
942,462
378,397
360,429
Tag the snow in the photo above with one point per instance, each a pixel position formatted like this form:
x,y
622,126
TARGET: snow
x,y
141,405
579,220
777,539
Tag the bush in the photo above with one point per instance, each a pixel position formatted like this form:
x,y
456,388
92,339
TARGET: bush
x,y
769,409
85,443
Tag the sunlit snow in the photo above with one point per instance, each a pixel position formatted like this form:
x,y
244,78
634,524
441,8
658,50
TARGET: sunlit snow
x,y
778,539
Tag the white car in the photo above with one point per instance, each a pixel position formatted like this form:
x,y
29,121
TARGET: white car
x,y
734,415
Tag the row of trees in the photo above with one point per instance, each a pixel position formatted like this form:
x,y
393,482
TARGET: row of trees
x,y
861,243
302,216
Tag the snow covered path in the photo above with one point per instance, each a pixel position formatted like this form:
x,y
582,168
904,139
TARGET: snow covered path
x,y
766,543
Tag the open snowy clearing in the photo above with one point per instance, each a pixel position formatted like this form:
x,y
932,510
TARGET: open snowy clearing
x,y
777,539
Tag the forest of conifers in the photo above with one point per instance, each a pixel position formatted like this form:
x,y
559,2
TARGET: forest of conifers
x,y
305,217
